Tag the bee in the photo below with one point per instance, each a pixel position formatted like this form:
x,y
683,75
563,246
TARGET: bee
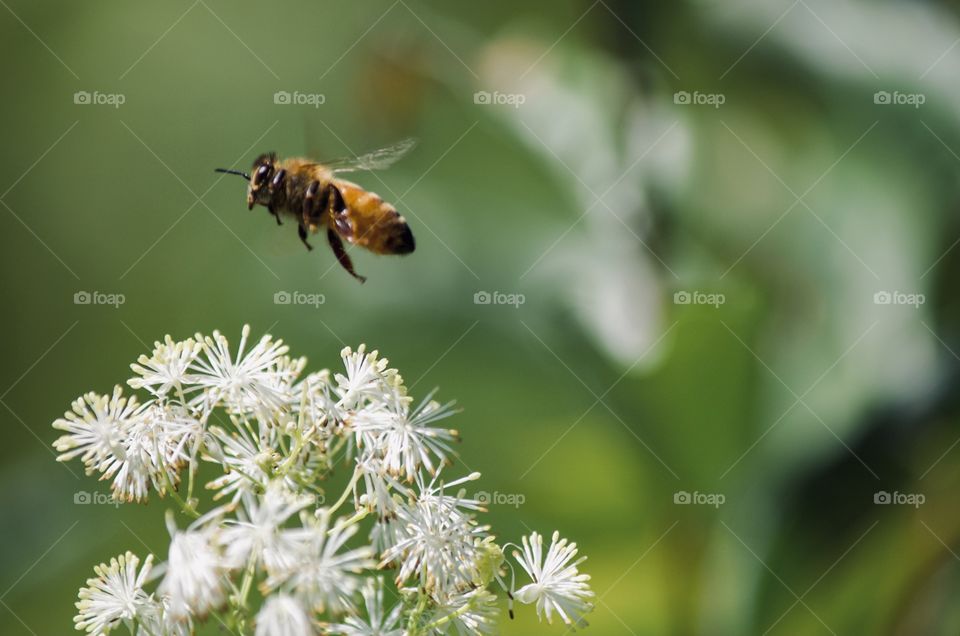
x,y
317,199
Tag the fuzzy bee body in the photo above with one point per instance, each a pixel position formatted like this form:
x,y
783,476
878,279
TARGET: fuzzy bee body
x,y
310,193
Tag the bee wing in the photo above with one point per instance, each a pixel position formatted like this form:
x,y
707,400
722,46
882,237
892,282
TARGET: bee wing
x,y
376,160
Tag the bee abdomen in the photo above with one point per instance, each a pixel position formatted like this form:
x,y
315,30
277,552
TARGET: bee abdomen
x,y
394,235
376,225
401,240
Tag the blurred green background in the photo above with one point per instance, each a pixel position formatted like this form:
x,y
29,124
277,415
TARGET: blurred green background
x,y
732,225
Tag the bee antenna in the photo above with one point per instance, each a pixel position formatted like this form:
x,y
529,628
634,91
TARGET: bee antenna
x,y
225,170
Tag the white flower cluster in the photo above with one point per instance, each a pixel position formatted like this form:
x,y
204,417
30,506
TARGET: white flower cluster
x,y
275,437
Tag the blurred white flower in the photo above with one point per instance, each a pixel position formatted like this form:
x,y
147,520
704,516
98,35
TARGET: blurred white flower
x,y
283,615
557,584
377,622
318,572
116,594
194,582
385,534
157,621
256,533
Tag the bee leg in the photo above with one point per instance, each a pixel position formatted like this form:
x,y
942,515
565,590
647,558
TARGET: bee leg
x,y
275,214
339,208
277,180
302,231
309,199
344,259
336,200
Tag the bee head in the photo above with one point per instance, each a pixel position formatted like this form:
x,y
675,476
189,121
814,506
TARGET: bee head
x,y
260,174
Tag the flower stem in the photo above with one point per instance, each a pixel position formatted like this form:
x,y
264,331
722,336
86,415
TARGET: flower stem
x,y
449,617
346,491
415,615
241,606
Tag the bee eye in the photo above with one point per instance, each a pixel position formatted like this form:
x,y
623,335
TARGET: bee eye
x,y
261,174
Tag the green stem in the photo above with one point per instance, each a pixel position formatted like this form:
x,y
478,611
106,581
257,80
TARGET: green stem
x,y
193,467
416,614
299,440
449,617
352,520
185,507
292,457
245,591
347,491
336,448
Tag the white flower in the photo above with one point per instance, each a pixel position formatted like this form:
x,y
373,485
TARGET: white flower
x,y
282,615
165,434
312,398
94,427
151,452
244,460
378,622
367,378
132,476
385,534
437,496
245,383
406,440
437,541
167,368
194,582
557,585
472,613
256,535
274,439
317,571
178,432
115,595
157,621
379,487
286,370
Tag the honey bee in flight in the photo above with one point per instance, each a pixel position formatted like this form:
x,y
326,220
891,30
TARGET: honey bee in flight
x,y
313,195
